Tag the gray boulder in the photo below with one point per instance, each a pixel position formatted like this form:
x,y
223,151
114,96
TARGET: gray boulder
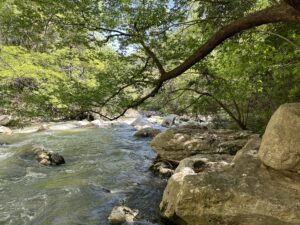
x,y
280,148
244,193
121,215
147,132
181,142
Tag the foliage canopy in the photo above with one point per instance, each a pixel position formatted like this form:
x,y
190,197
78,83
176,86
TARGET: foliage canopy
x,y
63,58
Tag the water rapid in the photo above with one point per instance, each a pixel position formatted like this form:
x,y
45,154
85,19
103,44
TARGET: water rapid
x,y
104,168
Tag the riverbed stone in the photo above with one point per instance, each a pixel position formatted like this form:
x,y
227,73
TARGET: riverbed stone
x,y
181,142
243,193
141,122
169,120
147,132
280,148
121,215
5,119
132,113
84,123
63,126
43,127
48,157
5,130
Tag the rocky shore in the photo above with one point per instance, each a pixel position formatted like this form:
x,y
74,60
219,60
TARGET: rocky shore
x,y
216,176
260,184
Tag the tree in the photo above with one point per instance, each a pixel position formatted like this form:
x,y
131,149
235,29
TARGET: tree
x,y
284,12
138,26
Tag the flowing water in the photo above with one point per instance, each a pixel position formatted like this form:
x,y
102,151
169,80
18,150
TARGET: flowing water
x,y
104,168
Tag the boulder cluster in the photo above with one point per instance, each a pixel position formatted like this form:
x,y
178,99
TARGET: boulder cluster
x,y
260,184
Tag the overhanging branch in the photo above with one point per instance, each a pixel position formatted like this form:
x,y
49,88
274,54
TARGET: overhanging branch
x,y
275,14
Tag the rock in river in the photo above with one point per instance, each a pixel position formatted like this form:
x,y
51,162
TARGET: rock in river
x,y
121,215
181,142
141,122
48,158
245,193
5,130
169,120
280,148
147,132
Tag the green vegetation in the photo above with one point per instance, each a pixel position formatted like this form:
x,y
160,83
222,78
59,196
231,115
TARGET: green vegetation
x,y
62,59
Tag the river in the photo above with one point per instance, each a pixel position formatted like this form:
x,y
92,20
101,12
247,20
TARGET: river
x,y
104,168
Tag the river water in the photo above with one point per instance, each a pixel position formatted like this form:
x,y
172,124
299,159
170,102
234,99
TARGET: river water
x,y
104,168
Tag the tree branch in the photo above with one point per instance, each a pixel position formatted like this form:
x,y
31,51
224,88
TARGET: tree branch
x,y
155,59
136,102
275,14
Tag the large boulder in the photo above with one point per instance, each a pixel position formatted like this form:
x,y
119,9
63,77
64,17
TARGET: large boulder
x,y
5,119
280,148
244,193
179,143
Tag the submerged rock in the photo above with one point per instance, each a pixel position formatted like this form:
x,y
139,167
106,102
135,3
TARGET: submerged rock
x,y
47,157
181,142
147,132
280,148
121,215
244,193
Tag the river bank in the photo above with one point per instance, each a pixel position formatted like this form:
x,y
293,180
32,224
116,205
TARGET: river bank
x,y
213,172
258,184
